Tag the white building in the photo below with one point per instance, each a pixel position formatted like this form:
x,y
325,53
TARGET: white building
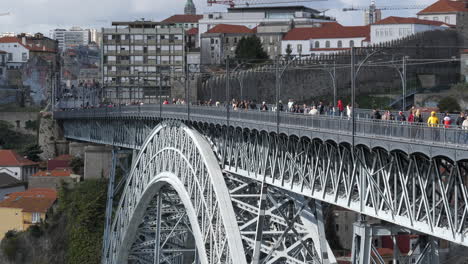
x,y
253,16
18,167
392,28
17,51
70,38
325,38
444,11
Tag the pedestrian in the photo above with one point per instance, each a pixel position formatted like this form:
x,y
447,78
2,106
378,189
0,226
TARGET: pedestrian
x,y
465,129
281,107
411,117
290,105
349,111
314,111
376,114
264,107
386,116
340,107
447,120
321,108
460,119
401,117
433,120
418,118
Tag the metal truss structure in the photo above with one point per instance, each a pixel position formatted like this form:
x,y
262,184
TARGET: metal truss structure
x,y
267,206
178,157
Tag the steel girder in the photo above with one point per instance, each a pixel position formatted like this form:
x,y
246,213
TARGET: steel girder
x,y
174,155
425,194
283,226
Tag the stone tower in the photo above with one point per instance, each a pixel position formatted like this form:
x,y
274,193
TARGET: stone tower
x,y
190,8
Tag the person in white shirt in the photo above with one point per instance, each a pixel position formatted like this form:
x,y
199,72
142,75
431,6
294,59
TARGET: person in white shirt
x,y
314,111
349,111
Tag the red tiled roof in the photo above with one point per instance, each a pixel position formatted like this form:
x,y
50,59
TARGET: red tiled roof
x,y
10,158
57,172
329,30
230,29
445,6
192,31
183,19
28,46
329,49
32,200
408,20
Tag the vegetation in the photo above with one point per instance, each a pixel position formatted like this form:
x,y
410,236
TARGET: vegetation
x,y
460,91
72,234
32,125
32,152
10,139
250,48
77,165
17,108
84,207
449,104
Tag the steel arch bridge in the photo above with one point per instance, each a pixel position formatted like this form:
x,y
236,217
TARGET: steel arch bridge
x,y
214,192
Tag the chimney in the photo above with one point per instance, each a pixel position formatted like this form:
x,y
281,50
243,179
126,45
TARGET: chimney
x,y
23,40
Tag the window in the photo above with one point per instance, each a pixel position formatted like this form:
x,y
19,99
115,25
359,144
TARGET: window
x,y
235,40
36,218
10,56
447,19
212,41
351,43
340,44
227,40
327,44
299,48
337,227
317,44
435,18
426,18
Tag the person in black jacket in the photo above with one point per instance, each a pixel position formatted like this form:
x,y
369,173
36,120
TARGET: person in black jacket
x,y
460,119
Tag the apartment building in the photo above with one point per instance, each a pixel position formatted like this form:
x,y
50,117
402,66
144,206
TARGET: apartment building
x,y
76,36
139,59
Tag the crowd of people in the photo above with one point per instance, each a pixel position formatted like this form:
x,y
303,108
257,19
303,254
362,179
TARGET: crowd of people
x,y
413,116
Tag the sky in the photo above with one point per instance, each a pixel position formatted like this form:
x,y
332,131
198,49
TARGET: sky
x,y
31,16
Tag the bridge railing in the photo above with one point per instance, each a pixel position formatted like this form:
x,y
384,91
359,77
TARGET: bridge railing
x,y
414,132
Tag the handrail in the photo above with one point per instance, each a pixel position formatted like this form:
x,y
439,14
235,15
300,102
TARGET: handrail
x,y
414,132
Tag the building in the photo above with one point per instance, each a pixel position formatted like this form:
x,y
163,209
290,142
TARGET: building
x,y
76,36
21,48
135,56
20,210
253,16
190,8
189,22
271,35
324,38
16,166
53,178
95,36
392,28
3,65
376,15
9,184
221,41
445,11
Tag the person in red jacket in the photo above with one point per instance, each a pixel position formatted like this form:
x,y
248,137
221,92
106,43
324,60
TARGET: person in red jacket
x,y
340,107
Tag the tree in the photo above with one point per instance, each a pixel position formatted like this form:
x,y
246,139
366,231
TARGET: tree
x,y
460,91
77,165
449,104
288,50
250,48
32,152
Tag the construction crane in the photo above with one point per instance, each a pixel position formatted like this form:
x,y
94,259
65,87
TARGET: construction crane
x,y
374,13
234,3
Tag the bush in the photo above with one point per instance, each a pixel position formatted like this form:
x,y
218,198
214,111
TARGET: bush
x,y
449,104
10,245
35,231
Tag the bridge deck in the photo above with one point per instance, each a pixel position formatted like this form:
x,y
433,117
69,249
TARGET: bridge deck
x,y
390,135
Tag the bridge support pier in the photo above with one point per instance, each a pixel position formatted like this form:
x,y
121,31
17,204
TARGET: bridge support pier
x,y
365,248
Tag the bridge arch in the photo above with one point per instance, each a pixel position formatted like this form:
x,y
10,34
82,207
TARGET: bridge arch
x,y
177,157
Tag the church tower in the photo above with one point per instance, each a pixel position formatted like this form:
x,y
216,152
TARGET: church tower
x,y
190,8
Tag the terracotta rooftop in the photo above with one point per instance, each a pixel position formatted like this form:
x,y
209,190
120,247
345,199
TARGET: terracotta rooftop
x,y
32,200
192,31
57,172
10,158
445,6
30,47
329,30
230,29
409,20
183,19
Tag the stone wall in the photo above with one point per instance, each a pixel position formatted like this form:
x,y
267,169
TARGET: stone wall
x,y
308,80
97,162
19,120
